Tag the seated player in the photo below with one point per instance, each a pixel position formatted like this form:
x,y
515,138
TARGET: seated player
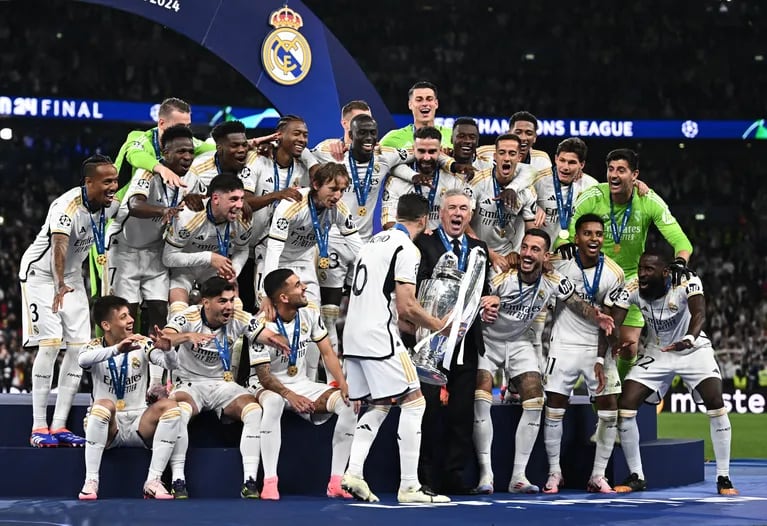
x,y
281,379
119,365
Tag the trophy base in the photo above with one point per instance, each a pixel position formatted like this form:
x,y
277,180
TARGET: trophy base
x,y
430,375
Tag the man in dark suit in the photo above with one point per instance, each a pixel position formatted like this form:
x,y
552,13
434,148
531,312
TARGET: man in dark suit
x,y
455,214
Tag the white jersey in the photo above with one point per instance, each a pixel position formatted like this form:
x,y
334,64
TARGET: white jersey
x,y
206,166
524,175
522,302
486,223
384,160
193,237
95,358
204,362
547,199
570,329
291,235
666,318
136,232
67,215
311,329
396,187
389,257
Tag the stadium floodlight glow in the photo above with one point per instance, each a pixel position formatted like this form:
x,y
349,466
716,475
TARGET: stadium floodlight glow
x,y
758,58
6,134
700,216
529,56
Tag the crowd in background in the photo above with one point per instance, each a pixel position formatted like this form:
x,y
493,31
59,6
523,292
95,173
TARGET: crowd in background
x,y
714,188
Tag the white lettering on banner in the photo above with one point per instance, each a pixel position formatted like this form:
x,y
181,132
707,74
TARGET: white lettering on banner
x,y
738,401
602,128
36,107
553,127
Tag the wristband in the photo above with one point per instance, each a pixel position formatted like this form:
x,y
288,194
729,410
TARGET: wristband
x,y
689,338
600,360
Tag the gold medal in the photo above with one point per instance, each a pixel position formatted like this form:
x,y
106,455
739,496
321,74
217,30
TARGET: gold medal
x,y
362,211
228,376
564,235
324,263
292,370
616,248
101,259
120,405
501,231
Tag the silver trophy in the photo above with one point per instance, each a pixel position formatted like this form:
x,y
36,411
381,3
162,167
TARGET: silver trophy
x,y
449,291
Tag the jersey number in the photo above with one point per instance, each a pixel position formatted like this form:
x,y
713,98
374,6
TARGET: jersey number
x,y
358,287
644,361
33,311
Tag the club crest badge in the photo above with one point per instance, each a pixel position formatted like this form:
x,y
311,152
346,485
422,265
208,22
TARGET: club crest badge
x,y
285,53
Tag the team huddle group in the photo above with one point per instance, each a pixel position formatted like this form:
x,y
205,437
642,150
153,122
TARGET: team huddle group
x,y
202,226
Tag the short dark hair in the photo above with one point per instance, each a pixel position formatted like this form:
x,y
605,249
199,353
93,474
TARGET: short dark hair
x,y
224,182
362,117
422,84
172,103
104,307
525,116
428,132
352,105
275,280
661,251
287,119
589,218
574,145
90,165
537,232
412,207
328,172
507,137
465,121
624,154
220,131
178,131
215,286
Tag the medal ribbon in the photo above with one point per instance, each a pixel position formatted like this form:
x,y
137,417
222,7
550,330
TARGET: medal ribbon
x,y
565,211
614,225
218,163
433,191
99,232
319,234
296,336
223,242
118,380
223,351
449,248
402,228
277,176
534,290
498,204
156,143
361,191
591,290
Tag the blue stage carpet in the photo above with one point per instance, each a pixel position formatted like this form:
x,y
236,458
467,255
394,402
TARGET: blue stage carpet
x,y
697,504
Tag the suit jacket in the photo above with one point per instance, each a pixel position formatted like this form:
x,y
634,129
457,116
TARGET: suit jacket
x,y
432,249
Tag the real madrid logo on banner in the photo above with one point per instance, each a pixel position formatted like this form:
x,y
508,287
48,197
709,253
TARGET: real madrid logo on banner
x,y
285,52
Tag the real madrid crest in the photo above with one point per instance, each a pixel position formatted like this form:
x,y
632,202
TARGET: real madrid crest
x,y
285,52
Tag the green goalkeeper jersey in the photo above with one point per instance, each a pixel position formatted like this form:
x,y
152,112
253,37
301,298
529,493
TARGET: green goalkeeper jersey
x,y
644,210
402,138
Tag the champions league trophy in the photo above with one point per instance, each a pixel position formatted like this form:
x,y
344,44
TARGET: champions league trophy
x,y
449,291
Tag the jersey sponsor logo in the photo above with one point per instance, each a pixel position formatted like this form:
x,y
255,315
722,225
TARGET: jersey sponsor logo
x,y
65,220
282,224
566,287
285,53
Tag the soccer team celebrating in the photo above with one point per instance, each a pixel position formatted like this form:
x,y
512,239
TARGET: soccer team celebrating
x,y
205,251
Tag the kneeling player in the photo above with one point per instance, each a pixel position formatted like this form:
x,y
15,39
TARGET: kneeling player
x,y
676,344
282,378
119,416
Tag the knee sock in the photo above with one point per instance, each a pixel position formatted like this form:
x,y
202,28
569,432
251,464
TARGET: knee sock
x,y
250,442
42,378
364,435
312,360
552,436
165,437
178,455
483,433
527,432
624,366
607,429
70,375
342,434
272,406
409,436
329,318
627,427
96,436
721,436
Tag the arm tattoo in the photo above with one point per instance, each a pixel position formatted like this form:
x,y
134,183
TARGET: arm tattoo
x,y
580,307
268,380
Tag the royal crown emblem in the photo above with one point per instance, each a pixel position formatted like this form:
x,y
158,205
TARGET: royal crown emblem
x,y
285,53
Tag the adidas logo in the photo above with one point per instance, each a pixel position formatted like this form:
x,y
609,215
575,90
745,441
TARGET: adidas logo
x,y
364,427
82,230
200,237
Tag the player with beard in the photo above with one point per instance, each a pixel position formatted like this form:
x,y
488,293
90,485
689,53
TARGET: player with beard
x,y
422,101
578,347
675,345
53,292
522,292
